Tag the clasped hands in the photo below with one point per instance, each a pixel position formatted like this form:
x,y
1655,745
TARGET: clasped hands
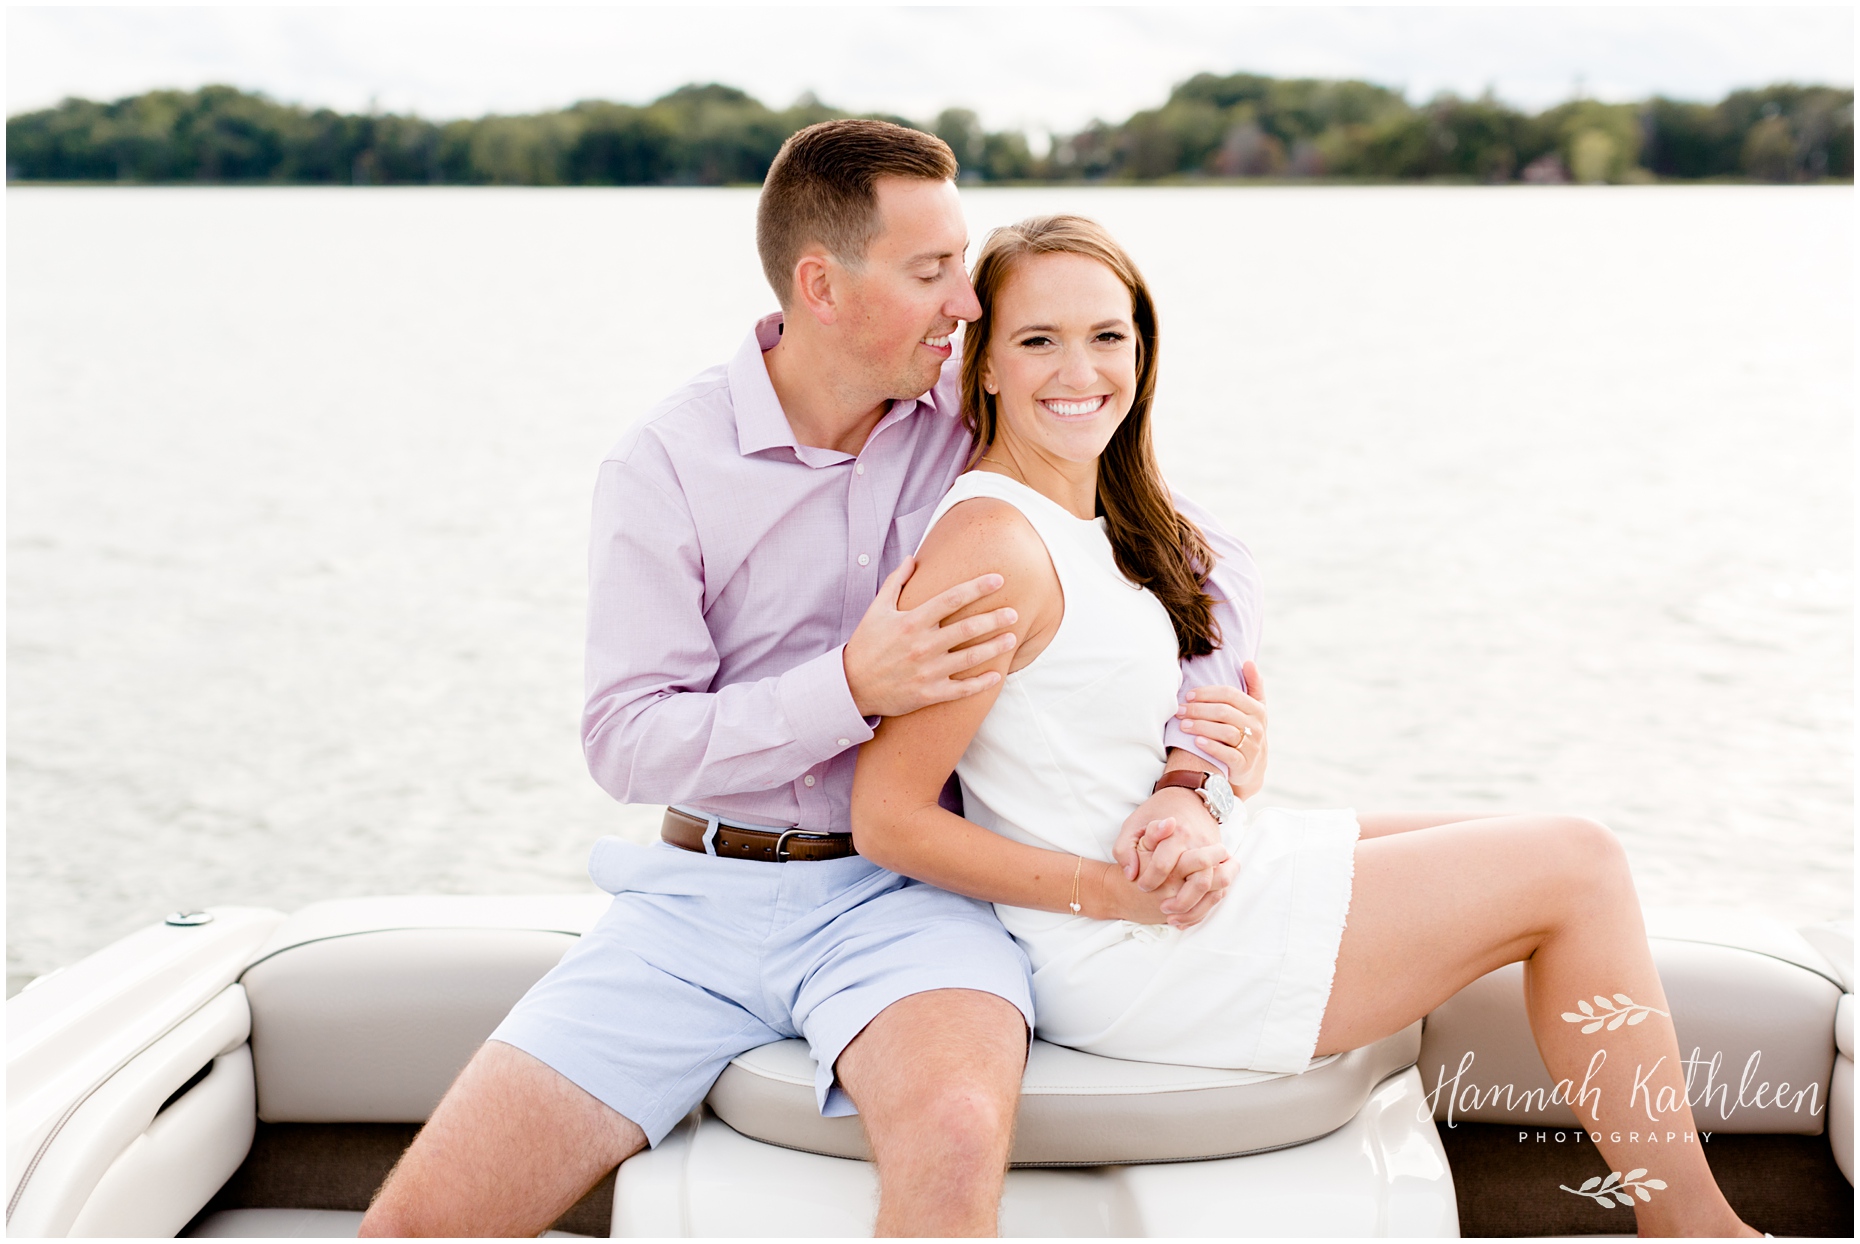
x,y
1174,862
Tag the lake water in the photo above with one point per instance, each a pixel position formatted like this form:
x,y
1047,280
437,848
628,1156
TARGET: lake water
x,y
1552,490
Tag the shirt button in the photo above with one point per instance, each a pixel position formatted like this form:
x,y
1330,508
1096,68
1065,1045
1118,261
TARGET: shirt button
x,y
864,560
808,780
859,468
845,742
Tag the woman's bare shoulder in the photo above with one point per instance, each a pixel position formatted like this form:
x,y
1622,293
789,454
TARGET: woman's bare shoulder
x,y
978,536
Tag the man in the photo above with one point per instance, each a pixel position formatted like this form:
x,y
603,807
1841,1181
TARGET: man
x,y
741,646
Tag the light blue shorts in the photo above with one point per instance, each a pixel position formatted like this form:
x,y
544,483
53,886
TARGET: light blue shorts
x,y
700,959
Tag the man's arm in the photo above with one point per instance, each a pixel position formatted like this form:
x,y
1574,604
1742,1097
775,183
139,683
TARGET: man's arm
x,y
1234,585
653,728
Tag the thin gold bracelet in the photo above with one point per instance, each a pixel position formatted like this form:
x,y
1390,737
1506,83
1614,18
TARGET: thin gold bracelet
x,y
1076,870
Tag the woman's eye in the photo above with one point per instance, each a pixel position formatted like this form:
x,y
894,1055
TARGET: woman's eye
x,y
1036,342
1111,336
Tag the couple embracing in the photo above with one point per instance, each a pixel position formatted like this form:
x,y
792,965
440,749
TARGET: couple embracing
x,y
950,700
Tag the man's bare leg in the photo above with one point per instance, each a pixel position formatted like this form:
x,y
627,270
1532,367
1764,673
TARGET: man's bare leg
x,y
936,1077
1433,909
509,1149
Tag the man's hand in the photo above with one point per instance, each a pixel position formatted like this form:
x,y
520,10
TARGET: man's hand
x,y
1172,844
1231,725
1179,904
900,661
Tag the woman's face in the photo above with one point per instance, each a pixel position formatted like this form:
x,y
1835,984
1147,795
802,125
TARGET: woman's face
x,y
1062,357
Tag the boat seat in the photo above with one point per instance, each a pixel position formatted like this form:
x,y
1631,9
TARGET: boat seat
x,y
364,1010
1082,1110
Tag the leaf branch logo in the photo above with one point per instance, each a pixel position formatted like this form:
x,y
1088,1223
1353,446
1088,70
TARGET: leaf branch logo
x,y
1606,1192
1614,1013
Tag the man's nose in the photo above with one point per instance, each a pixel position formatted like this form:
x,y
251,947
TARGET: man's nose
x,y
964,305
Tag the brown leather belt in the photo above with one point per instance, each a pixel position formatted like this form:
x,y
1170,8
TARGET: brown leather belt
x,y
733,842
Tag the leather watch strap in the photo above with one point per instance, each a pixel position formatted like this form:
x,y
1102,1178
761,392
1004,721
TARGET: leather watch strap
x,y
1189,779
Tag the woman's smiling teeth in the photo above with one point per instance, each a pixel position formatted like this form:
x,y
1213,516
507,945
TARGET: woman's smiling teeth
x,y
1072,409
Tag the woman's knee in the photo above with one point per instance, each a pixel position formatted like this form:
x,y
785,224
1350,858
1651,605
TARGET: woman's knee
x,y
1583,855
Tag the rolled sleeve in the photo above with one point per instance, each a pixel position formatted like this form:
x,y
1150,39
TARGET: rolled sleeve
x,y
818,704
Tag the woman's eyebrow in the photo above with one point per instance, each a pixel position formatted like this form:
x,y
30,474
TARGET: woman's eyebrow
x,y
1049,328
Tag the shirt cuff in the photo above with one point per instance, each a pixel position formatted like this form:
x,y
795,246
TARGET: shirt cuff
x,y
819,706
1175,736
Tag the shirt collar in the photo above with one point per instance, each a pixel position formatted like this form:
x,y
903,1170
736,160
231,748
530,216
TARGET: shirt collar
x,y
760,421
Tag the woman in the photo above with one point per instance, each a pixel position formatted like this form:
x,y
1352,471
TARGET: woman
x,y
1338,930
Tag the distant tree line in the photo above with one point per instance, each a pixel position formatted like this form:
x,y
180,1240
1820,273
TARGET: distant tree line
x,y
1240,125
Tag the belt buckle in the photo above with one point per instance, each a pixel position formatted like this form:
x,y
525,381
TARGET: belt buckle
x,y
710,835
781,841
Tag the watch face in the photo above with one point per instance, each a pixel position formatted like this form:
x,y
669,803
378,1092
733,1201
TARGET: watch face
x,y
1220,797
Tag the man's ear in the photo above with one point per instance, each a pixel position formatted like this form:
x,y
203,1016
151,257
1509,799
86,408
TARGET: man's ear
x,y
814,276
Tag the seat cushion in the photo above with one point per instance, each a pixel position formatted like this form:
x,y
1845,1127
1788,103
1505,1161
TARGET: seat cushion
x,y
364,1010
1082,1110
271,1224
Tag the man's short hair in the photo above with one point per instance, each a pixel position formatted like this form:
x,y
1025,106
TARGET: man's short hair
x,y
820,190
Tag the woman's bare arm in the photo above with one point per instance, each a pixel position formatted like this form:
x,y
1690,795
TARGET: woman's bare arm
x,y
897,822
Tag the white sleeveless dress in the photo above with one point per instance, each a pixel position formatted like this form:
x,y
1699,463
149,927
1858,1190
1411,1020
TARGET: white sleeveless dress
x,y
1072,745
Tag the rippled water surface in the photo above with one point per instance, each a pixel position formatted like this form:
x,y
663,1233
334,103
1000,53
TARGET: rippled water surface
x,y
1552,491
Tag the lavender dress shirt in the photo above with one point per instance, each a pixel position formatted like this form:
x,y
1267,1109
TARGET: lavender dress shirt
x,y
729,565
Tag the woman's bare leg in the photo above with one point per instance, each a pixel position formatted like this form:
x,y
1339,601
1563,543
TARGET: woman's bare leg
x,y
1434,909
1382,824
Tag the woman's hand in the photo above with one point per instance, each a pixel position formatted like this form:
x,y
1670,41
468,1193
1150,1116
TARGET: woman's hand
x,y
1182,901
1231,725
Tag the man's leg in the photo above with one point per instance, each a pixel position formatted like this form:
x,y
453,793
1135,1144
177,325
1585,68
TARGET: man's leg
x,y
936,1077
511,1147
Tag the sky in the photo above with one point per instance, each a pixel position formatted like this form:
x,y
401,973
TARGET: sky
x,y
1042,68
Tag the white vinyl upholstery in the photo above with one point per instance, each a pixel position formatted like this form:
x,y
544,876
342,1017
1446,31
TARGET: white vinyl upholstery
x,y
1750,993
1082,1110
276,1224
364,1010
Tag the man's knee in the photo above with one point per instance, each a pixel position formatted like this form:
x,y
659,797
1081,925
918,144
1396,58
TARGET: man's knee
x,y
938,1075
969,1120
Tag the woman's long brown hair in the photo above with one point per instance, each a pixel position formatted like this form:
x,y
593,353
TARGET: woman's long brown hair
x,y
1155,546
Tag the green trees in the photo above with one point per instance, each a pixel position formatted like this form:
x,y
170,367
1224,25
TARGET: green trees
x,y
1233,126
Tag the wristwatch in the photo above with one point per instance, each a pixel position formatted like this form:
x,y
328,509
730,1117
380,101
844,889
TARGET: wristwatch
x,y
1212,787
